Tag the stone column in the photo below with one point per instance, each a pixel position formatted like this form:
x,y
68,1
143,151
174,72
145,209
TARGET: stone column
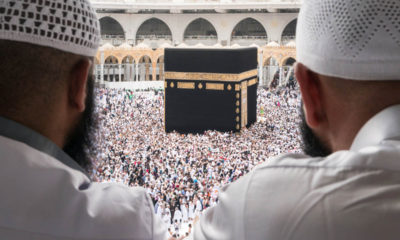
x,y
154,71
102,68
101,73
280,76
161,71
137,71
119,72
260,67
147,66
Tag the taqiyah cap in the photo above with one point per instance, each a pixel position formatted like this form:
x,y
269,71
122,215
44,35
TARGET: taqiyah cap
x,y
68,25
351,39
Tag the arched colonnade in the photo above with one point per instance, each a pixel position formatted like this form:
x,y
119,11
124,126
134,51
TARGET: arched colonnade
x,y
118,65
204,30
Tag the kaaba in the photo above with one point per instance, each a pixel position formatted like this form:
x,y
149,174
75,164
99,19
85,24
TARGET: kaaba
x,y
210,89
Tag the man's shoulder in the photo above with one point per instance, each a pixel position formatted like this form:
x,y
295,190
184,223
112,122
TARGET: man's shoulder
x,y
294,190
68,201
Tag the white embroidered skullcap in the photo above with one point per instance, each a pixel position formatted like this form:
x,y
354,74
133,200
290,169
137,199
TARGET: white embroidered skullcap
x,y
68,25
351,39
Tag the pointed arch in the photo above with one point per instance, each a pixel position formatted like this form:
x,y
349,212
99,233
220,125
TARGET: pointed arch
x,y
111,69
288,61
289,33
111,28
154,29
249,31
202,31
128,59
111,60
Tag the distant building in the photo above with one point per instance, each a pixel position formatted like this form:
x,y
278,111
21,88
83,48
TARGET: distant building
x,y
139,30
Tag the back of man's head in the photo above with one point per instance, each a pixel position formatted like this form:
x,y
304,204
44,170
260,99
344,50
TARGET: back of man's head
x,y
348,56
40,41
47,49
32,75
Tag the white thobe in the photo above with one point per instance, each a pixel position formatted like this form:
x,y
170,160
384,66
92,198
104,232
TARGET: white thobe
x,y
45,195
349,195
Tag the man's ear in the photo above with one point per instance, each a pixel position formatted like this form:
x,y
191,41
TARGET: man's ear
x,y
77,84
311,94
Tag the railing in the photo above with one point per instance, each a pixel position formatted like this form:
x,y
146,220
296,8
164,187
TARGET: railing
x,y
128,72
286,39
200,37
106,37
154,37
115,40
246,37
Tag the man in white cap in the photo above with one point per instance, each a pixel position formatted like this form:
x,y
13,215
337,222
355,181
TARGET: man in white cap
x,y
348,184
46,103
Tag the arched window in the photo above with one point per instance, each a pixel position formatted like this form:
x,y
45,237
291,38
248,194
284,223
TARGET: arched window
x,y
289,62
200,31
289,33
154,32
288,77
111,29
270,76
111,69
249,31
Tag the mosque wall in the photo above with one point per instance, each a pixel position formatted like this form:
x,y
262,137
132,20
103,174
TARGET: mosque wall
x,y
224,23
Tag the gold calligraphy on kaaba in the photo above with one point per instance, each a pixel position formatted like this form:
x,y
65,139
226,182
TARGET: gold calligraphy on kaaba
x,y
244,104
252,82
186,85
214,86
197,76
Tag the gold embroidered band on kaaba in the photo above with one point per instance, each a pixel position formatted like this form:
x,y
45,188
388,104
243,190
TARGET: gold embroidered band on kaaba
x,y
197,76
186,85
214,86
252,82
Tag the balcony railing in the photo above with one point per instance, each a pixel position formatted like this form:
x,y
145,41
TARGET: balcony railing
x,y
154,37
200,37
286,39
106,37
250,38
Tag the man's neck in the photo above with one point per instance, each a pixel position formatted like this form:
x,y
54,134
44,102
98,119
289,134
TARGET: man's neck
x,y
40,123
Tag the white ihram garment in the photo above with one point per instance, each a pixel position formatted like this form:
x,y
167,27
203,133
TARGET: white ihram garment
x,y
185,213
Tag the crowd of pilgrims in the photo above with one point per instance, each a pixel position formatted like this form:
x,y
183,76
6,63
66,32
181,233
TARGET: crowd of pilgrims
x,y
183,174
